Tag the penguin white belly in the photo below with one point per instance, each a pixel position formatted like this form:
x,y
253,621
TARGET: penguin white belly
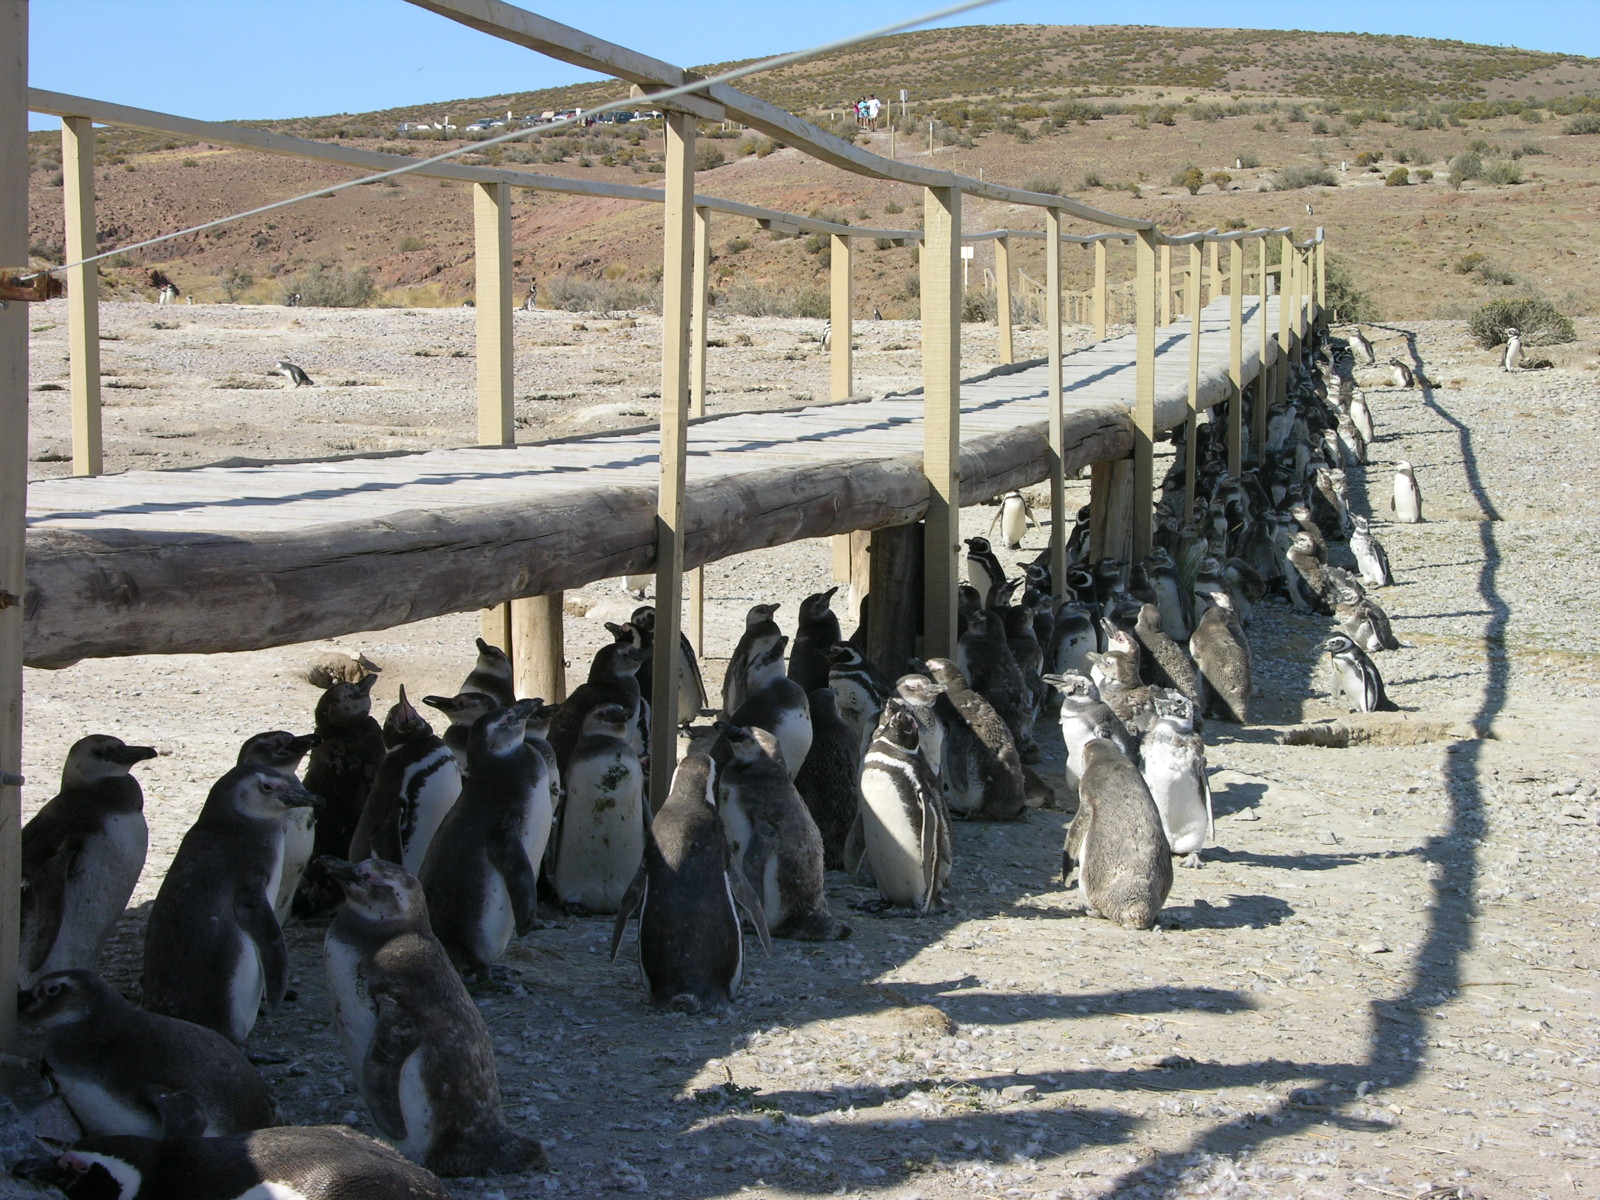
x,y
101,1111
1075,735
417,1108
1013,521
353,1010
1181,800
1072,655
794,738
247,986
102,879
892,827
431,788
736,824
299,838
499,920
602,833
858,708
272,1191
540,815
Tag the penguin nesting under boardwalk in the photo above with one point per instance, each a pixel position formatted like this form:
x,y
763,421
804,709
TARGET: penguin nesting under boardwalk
x,y
1222,660
1356,677
599,838
760,633
417,783
691,684
492,675
213,950
983,774
114,1064
342,766
830,779
319,1162
1115,842
416,1042
816,629
905,828
1172,759
984,571
990,667
1407,500
778,704
613,679
773,839
861,689
463,712
688,896
282,751
81,857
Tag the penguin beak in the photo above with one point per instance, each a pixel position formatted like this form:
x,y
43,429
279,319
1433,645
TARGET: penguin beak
x,y
298,797
366,684
342,872
444,704
128,755
528,708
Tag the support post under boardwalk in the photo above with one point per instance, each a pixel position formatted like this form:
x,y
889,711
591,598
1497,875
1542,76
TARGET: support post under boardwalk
x,y
1192,426
83,293
841,310
1263,389
1099,291
1285,302
491,218
1058,483
1322,276
1213,271
697,398
1002,297
1236,357
538,653
677,302
894,571
13,488
941,419
1144,395
1110,502
1164,287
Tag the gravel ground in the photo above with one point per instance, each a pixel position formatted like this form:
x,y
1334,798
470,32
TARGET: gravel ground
x,y
1379,983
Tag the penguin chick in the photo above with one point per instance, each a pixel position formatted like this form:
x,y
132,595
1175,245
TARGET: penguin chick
x,y
463,712
760,632
1116,843
341,769
816,629
282,751
830,779
492,675
983,774
1222,660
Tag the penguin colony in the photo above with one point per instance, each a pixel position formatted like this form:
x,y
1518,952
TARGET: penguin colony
x,y
432,853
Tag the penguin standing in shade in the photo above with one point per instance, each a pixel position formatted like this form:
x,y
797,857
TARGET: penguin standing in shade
x,y
463,712
1116,843
416,785
691,684
81,857
816,629
905,828
830,779
1361,416
760,633
341,768
213,950
984,571
282,751
613,679
861,690
778,704
1084,717
1222,660
1356,677
416,1042
492,675
599,838
989,666
688,897
1512,359
1406,502
983,774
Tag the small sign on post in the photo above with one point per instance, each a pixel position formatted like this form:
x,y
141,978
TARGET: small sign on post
x,y
28,285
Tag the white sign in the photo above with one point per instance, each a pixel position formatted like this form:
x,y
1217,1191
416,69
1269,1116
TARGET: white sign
x,y
966,251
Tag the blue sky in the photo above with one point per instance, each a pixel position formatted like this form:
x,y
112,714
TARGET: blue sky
x,y
222,59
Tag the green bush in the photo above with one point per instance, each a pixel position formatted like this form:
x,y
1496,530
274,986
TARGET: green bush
x,y
1539,322
329,287
1191,178
979,305
770,300
1399,177
1248,161
708,157
1347,303
1467,165
738,245
597,295
410,243
234,281
1048,185
1091,181
1221,178
1502,172
1588,122
1302,175
1424,175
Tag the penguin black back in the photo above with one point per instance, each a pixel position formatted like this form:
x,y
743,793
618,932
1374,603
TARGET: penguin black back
x,y
341,769
816,629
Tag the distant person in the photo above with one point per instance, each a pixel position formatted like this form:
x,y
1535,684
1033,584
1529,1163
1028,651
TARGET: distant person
x,y
860,107
874,106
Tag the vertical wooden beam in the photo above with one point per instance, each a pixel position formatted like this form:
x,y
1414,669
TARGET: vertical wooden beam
x,y
13,487
1110,504
494,626
1285,299
1058,482
1002,297
1192,429
894,574
1213,271
1264,385
1164,287
697,397
491,219
1322,275
1099,291
677,303
537,648
841,295
83,293
1236,357
1144,394
941,421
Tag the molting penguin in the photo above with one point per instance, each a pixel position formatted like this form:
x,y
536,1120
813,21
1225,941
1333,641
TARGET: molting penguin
x,y
773,839
1164,661
983,774
213,949
1084,717
1115,841
341,769
613,679
760,632
414,1039
990,667
113,1063
1407,499
688,897
861,689
282,751
1222,660
1356,677
327,1162
417,784
776,703
81,857
905,828
492,675
1172,759
816,629
830,779
481,871
463,712
599,841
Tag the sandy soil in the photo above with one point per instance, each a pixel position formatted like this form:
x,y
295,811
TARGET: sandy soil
x,y
1382,981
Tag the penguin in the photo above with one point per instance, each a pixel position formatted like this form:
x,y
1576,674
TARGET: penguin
x,y
1406,503
492,675
1014,518
1512,359
983,774
324,1162
1115,843
637,585
1085,716
691,684
1072,639
1167,662
1116,674
295,375
990,667
816,629
213,949
904,829
1356,677
772,838
340,769
112,1062
921,697
416,785
688,898
1172,759
463,711
861,689
81,857
829,781
984,571
1400,375
1222,661
1162,572
760,632
599,838
282,751
415,1041
1361,416
480,873
1352,445
779,705
1361,340
1078,538
613,679
1370,557
1309,588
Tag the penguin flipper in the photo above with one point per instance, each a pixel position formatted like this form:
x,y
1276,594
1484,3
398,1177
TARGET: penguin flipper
x,y
747,900
395,1039
259,920
180,1114
855,846
44,899
632,900
507,855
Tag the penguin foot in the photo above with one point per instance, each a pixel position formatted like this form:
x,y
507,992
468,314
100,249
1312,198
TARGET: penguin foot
x,y
266,1058
573,909
496,977
1191,860
876,906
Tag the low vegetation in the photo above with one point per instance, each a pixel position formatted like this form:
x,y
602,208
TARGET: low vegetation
x,y
1538,321
770,300
329,287
1302,175
598,295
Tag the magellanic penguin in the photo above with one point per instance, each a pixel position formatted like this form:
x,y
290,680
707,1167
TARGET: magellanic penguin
x,y
1014,517
613,679
1370,557
416,1042
481,870
989,666
1361,415
599,841
213,950
861,689
1512,359
1361,339
1115,842
463,712
1084,717
492,675
984,571
81,857
688,897
777,704
1072,639
1164,662
1222,660
816,629
341,769
282,751
296,375
691,684
983,774
1400,375
830,779
921,696
905,827
317,1162
416,785
1407,499
113,1063
773,839
1356,677
760,632
1172,759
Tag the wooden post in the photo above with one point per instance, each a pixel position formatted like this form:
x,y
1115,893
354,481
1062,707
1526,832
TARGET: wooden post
x,y
841,292
1058,482
1258,410
677,302
697,397
1236,357
1099,291
1213,272
13,488
1002,297
1285,300
1322,276
893,574
1192,429
1144,395
537,647
1110,503
941,415
1164,287
491,213
83,293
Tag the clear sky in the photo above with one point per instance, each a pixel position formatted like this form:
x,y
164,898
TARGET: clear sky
x,y
240,59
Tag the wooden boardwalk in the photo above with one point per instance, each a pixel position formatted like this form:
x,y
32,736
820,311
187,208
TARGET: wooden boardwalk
x,y
233,558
